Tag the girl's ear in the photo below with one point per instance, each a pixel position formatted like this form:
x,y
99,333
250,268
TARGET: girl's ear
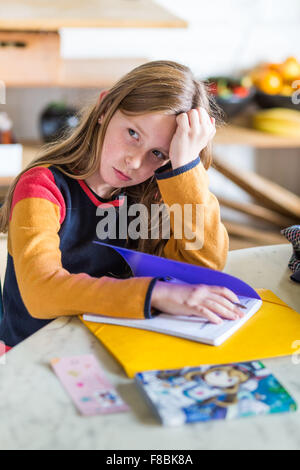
x,y
101,96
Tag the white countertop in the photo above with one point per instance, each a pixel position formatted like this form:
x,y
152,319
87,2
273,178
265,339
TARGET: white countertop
x,y
36,413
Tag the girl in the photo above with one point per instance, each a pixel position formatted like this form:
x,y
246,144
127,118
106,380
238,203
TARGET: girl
x,y
147,138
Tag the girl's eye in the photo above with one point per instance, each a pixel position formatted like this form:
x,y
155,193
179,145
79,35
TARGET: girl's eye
x,y
158,154
132,133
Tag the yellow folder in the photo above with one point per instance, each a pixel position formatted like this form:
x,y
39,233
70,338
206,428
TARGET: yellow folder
x,y
271,332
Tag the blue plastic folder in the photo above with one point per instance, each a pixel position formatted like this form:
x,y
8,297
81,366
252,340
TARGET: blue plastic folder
x,y
144,265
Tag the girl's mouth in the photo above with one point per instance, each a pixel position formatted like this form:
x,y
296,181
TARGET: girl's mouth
x,y
121,175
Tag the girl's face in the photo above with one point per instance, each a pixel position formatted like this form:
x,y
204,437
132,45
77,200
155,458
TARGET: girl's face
x,y
136,146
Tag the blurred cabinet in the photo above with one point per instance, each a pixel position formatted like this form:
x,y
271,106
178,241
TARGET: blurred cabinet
x,y
32,15
30,40
28,58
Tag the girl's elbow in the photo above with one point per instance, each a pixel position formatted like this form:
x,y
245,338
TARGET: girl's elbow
x,y
220,264
37,308
38,313
223,252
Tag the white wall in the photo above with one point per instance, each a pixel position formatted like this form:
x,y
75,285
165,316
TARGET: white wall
x,y
230,35
224,36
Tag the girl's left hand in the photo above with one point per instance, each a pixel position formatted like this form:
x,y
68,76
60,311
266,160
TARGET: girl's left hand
x,y
195,129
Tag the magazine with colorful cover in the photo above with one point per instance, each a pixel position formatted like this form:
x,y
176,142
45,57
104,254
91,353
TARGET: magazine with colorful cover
x,y
221,392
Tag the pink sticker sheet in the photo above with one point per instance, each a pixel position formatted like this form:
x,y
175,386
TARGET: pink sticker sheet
x,y
87,385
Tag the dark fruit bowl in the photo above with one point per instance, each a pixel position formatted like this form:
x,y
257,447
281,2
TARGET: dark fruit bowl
x,y
265,101
234,104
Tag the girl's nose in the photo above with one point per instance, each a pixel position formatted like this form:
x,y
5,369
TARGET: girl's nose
x,y
133,161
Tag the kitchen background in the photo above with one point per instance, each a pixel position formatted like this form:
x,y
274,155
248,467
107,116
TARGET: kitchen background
x,y
223,38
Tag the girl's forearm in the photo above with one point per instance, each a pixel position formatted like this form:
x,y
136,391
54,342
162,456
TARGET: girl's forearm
x,y
47,289
189,187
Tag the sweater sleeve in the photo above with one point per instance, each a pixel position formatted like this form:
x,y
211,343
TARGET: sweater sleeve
x,y
47,289
198,237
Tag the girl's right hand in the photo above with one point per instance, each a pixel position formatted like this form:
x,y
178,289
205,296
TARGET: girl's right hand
x,y
200,300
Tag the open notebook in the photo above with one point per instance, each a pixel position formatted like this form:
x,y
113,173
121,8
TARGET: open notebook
x,y
191,328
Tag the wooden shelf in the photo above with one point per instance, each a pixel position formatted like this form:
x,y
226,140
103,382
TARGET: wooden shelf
x,y
94,73
239,131
232,134
39,64
32,15
79,73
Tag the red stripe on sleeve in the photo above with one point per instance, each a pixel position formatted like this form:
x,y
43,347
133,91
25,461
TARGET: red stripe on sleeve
x,y
39,182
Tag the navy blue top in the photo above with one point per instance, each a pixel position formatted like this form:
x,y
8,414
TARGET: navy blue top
x,y
79,253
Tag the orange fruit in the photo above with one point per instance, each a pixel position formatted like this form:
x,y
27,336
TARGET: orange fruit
x,y
290,69
287,90
270,82
273,66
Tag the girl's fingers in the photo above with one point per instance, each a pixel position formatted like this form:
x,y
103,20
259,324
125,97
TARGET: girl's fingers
x,y
226,304
212,134
221,310
213,121
183,121
223,291
207,122
199,310
216,303
194,120
206,313
204,117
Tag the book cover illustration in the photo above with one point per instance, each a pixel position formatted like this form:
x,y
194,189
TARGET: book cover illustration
x,y
208,393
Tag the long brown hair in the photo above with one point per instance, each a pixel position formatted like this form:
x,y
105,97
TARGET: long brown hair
x,y
157,86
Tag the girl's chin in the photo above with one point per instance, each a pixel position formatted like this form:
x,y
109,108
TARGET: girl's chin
x,y
115,184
